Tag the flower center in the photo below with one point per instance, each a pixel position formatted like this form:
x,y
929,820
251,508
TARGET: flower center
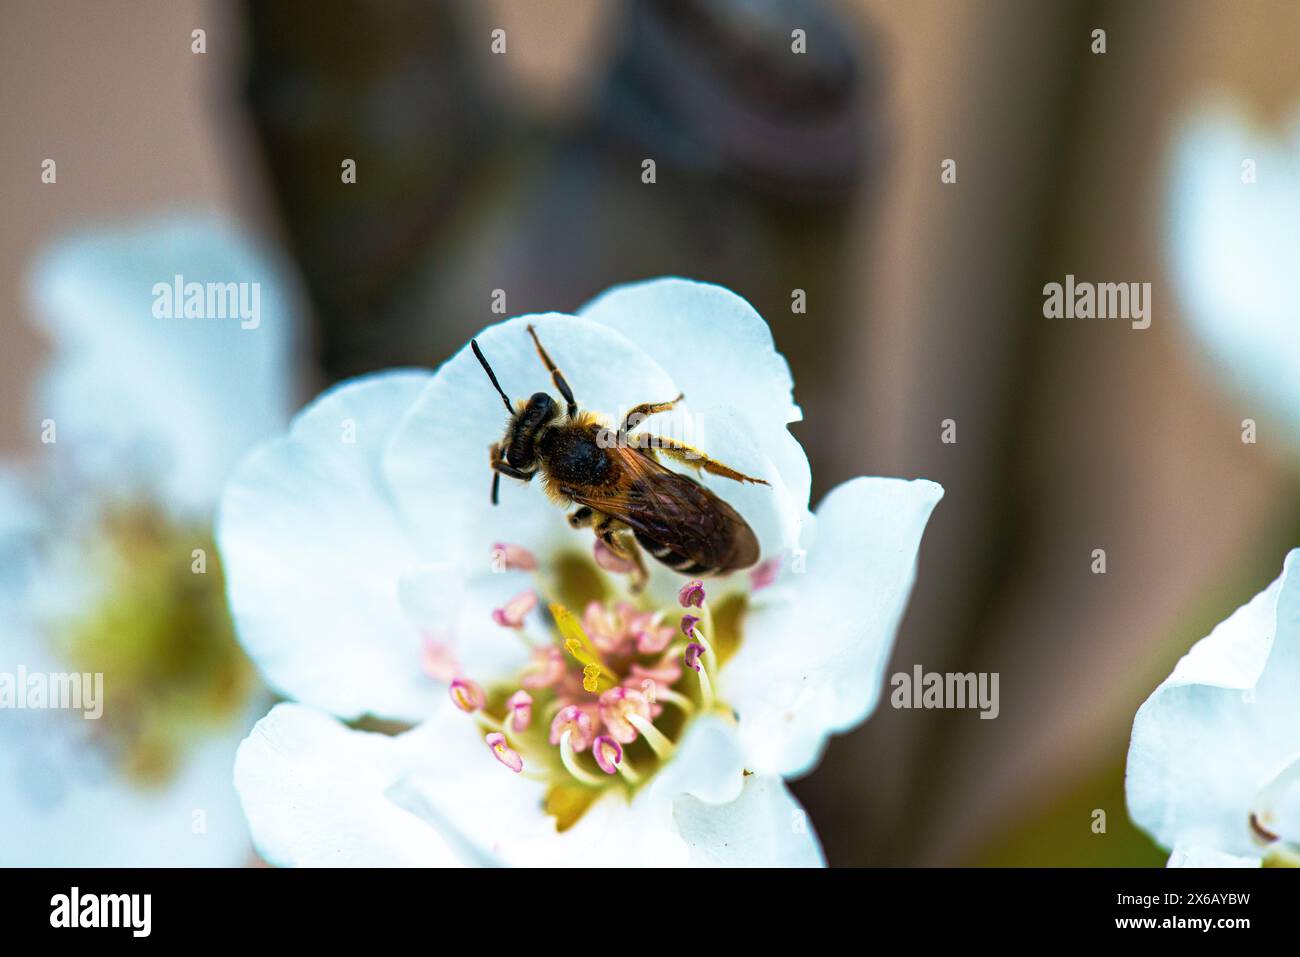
x,y
603,701
158,629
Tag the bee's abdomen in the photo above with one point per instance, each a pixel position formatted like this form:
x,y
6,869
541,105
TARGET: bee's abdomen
x,y
674,560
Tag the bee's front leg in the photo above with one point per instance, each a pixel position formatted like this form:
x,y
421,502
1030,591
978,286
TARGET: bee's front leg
x,y
501,467
499,464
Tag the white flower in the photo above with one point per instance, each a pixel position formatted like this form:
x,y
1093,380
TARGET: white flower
x,y
1234,247
148,416
1214,760
363,543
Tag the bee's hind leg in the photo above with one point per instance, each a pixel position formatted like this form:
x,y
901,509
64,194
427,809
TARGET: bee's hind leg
x,y
620,540
692,457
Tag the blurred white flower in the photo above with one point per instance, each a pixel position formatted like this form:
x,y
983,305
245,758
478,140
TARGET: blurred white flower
x,y
1214,760
147,417
367,569
1234,241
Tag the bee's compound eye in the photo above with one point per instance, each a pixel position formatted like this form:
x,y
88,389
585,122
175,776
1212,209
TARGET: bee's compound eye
x,y
540,407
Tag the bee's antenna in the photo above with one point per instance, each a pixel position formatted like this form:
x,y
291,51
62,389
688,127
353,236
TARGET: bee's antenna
x,y
473,344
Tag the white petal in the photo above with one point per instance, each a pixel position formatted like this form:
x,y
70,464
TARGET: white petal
x,y
709,764
691,328
479,805
1221,726
191,394
814,666
317,793
1234,247
1194,855
21,520
314,555
699,810
313,793
63,804
763,827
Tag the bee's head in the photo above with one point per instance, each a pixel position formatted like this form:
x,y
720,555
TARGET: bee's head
x,y
527,422
526,425
537,411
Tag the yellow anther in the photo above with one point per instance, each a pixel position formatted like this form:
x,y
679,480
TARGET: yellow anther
x,y
595,676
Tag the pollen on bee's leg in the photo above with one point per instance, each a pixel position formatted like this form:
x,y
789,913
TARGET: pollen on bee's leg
x,y
512,614
502,751
466,695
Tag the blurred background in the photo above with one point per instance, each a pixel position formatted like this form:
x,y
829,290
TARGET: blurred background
x,y
775,172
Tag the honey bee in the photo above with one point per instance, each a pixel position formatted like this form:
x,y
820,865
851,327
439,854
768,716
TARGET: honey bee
x,y
621,489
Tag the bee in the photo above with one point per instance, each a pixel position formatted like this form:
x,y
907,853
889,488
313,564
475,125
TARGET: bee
x,y
622,490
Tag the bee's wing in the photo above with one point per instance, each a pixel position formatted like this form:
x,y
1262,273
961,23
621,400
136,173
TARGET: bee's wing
x,y
675,512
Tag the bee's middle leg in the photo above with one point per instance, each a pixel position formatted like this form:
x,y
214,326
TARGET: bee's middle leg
x,y
639,413
582,517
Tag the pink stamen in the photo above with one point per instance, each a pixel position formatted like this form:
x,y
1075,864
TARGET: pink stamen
x,y
503,752
652,635
692,594
692,657
765,574
688,625
437,659
615,706
515,610
573,719
547,668
608,754
661,676
466,695
520,710
513,557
